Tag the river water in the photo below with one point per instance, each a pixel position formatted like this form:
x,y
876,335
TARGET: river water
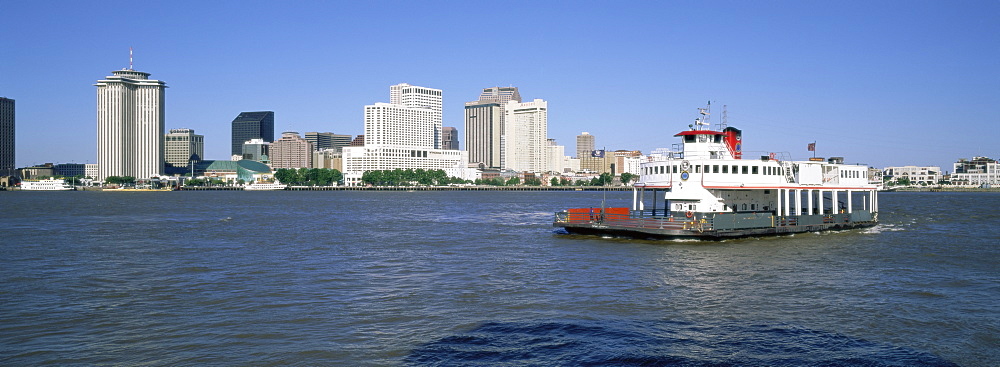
x,y
480,278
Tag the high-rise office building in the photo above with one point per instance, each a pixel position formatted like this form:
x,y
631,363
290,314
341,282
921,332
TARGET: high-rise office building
x,y
7,137
319,140
291,151
414,97
252,125
130,122
404,134
525,136
257,150
324,141
484,125
555,155
358,141
183,146
449,138
584,145
500,95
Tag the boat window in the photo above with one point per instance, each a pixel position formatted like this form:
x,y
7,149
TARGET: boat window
x,y
725,169
675,169
715,169
689,138
755,168
718,138
697,169
735,170
745,170
708,169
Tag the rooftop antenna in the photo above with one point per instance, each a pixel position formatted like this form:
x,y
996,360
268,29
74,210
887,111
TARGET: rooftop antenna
x,y
130,58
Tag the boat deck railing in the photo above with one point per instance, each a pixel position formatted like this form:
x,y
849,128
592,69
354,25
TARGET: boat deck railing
x,y
623,217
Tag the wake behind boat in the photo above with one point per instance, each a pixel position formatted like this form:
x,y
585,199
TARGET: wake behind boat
x,y
707,190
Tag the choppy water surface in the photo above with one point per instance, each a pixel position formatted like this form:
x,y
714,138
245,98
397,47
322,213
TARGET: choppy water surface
x,y
479,278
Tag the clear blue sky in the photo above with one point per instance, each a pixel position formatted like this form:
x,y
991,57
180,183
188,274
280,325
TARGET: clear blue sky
x,y
881,82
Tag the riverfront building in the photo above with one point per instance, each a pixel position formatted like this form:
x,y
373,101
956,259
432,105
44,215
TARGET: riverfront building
x,y
184,146
525,131
980,171
7,137
483,133
291,151
405,134
328,158
484,125
555,156
130,124
916,175
256,150
251,125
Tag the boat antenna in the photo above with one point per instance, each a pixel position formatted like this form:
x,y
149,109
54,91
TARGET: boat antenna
x,y
605,184
130,58
705,117
725,118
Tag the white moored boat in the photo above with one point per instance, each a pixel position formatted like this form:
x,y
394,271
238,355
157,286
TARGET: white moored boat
x,y
261,186
708,190
50,184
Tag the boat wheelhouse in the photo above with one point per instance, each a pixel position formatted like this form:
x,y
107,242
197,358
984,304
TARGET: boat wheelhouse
x,y
708,189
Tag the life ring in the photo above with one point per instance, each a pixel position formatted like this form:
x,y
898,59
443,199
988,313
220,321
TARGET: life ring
x,y
685,165
689,214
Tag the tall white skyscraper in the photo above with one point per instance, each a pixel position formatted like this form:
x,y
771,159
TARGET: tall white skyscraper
x,y
415,97
525,134
130,122
404,134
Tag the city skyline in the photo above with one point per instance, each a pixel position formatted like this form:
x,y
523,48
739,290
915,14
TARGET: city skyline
x,y
881,84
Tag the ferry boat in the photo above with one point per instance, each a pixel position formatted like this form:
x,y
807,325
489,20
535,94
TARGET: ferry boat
x,y
261,186
50,184
708,190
